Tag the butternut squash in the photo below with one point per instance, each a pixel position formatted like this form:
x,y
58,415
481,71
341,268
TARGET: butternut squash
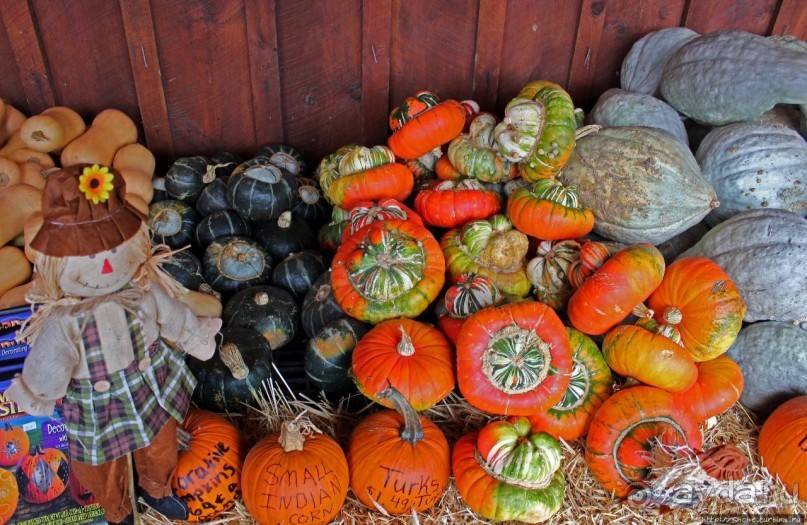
x,y
33,175
52,129
10,173
17,203
13,143
28,155
110,131
16,268
137,157
138,203
30,228
2,110
202,304
11,123
137,183
16,296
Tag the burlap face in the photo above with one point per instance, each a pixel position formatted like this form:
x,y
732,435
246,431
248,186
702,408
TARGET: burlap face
x,y
75,226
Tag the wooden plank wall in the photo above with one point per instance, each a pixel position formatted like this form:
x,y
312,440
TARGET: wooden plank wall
x,y
229,75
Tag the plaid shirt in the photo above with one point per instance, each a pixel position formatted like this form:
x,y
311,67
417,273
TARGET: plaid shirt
x,y
104,425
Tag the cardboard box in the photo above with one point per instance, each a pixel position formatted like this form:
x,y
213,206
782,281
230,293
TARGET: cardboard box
x,y
12,351
47,433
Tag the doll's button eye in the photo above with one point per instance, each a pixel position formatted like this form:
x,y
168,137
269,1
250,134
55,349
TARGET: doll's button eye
x,y
92,256
114,250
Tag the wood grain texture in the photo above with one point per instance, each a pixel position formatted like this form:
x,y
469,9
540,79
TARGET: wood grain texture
x,y
11,90
755,16
206,74
375,70
320,74
88,57
488,57
31,63
145,64
433,46
791,19
606,31
534,47
267,100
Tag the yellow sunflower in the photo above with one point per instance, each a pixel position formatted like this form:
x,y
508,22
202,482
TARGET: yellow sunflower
x,y
96,183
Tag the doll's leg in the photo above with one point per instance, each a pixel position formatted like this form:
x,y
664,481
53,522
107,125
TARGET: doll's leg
x,y
155,466
109,483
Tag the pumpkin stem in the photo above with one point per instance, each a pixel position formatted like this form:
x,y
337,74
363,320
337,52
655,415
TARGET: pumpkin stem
x,y
39,136
412,430
672,315
183,439
284,221
232,359
261,298
642,311
586,130
309,194
290,437
405,346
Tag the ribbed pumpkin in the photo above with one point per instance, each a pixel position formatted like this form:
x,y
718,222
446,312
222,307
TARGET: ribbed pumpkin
x,y
208,473
719,386
297,272
356,173
549,211
507,472
297,476
213,198
642,184
751,248
446,171
450,204
186,268
589,386
548,271
311,206
219,224
474,154
283,155
626,427
616,288
231,264
398,460
329,353
284,236
389,269
644,64
618,108
413,357
269,310
42,475
470,294
782,445
260,191
700,300
187,177
514,359
9,495
753,165
423,166
173,222
492,248
593,254
423,123
367,212
14,444
653,359
538,130
329,236
319,306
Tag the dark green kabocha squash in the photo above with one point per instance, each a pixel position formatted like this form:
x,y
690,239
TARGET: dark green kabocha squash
x,y
214,197
285,157
158,183
220,224
185,268
320,306
224,163
329,353
285,235
233,376
269,310
173,223
231,264
297,272
187,177
311,205
260,191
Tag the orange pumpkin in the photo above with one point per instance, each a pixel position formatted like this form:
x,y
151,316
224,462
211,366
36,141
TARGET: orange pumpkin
x,y
616,288
445,170
549,211
14,444
704,304
652,358
208,473
42,475
719,385
783,445
398,460
297,476
413,357
625,428
9,495
451,327
425,128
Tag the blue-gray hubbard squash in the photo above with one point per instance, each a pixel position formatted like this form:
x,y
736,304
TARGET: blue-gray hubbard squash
x,y
619,108
644,63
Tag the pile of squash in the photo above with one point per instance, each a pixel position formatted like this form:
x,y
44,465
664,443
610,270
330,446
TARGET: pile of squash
x,y
621,283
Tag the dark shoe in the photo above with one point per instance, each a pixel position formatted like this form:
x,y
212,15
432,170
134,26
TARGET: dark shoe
x,y
128,520
170,506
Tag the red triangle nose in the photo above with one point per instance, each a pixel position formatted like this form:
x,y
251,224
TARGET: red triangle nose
x,y
107,267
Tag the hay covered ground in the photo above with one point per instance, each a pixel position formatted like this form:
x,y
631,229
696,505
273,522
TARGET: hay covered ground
x,y
584,503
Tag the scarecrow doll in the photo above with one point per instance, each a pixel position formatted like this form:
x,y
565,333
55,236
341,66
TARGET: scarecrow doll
x,y
106,337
